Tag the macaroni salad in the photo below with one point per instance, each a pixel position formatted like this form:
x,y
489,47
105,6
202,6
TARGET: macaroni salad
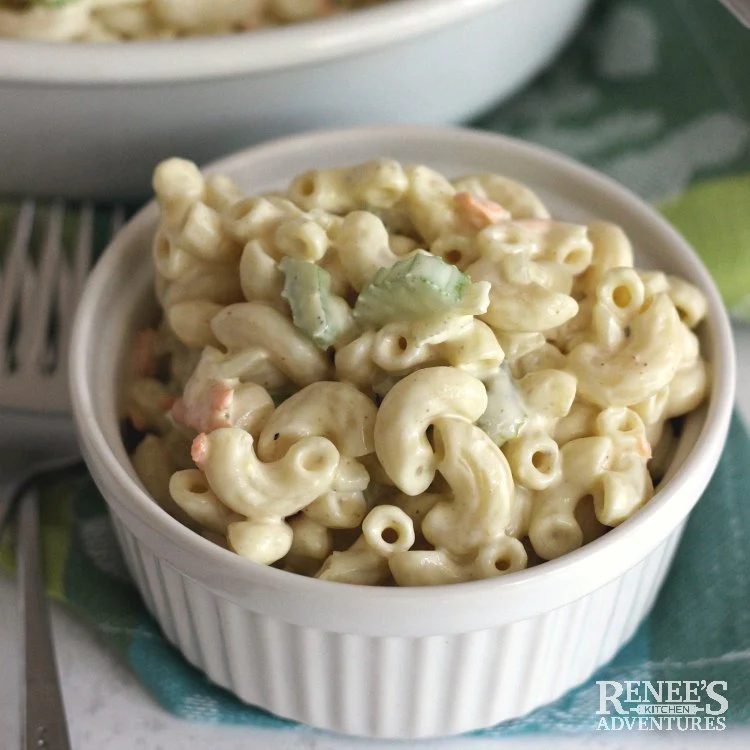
x,y
122,20
383,376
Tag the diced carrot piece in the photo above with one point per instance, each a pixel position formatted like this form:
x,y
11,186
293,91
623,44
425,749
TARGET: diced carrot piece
x,y
145,352
210,410
480,212
199,449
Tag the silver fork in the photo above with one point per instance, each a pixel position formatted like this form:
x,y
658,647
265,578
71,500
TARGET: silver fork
x,y
40,285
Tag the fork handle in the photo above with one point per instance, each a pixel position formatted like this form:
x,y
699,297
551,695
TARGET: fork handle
x,y
44,723
15,482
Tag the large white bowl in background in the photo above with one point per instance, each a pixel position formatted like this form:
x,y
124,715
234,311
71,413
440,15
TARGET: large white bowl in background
x,y
394,662
91,120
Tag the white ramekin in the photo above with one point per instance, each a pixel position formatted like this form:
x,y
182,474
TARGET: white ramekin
x,y
90,120
390,662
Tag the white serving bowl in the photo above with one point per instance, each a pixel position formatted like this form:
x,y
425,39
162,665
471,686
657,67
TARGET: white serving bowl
x,y
392,662
91,120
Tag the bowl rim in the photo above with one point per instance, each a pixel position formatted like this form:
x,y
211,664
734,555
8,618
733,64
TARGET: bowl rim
x,y
199,58
573,571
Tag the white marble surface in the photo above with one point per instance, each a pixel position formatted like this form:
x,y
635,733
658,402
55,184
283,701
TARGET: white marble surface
x,y
108,710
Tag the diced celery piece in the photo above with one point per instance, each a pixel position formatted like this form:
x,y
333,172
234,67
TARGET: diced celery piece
x,y
316,311
505,414
416,288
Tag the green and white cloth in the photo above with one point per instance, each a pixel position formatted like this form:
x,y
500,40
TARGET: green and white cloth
x,y
655,93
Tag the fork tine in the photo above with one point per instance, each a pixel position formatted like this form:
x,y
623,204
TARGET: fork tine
x,y
118,219
15,266
83,249
73,279
38,299
27,319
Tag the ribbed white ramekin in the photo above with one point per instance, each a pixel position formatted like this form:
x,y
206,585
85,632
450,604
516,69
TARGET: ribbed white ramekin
x,y
394,686
391,662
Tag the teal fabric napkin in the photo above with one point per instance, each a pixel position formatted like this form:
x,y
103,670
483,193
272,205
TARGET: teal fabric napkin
x,y
657,94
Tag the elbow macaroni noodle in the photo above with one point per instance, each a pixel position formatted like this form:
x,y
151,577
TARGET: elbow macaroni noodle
x,y
425,440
